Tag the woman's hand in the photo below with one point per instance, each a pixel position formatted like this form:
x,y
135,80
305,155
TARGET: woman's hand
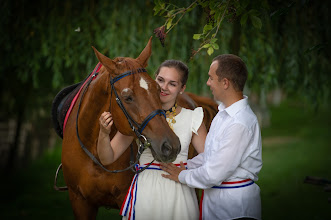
x,y
106,121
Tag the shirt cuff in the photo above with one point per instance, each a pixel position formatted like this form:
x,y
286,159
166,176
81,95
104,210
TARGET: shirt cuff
x,y
182,175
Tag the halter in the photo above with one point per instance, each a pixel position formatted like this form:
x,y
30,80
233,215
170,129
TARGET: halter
x,y
142,141
137,128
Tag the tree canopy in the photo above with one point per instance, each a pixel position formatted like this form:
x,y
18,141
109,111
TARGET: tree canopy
x,y
45,48
284,44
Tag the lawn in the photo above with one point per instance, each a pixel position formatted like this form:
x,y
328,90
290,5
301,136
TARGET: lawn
x,y
295,146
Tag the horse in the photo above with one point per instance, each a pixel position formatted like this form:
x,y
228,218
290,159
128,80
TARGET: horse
x,y
123,87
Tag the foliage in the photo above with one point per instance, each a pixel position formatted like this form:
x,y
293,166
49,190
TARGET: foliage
x,y
216,11
284,44
287,48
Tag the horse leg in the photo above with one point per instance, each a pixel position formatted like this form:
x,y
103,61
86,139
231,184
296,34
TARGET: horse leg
x,y
81,208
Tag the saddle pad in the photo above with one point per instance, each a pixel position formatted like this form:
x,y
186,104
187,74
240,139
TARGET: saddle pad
x,y
64,102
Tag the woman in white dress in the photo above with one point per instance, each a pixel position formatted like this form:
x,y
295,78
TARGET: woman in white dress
x,y
151,196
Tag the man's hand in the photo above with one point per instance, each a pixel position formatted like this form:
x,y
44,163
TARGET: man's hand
x,y
173,170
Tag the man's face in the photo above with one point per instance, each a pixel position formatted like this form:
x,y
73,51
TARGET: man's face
x,y
213,83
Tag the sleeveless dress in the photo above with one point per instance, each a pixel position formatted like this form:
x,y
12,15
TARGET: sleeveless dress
x,y
152,196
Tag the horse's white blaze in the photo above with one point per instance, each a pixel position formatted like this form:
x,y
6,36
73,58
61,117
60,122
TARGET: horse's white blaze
x,y
143,84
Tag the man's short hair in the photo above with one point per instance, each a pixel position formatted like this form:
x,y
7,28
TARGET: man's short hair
x,y
233,68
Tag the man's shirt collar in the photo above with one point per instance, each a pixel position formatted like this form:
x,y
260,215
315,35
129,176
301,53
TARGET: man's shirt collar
x,y
235,107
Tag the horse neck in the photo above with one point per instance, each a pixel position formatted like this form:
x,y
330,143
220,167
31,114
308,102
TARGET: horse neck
x,y
95,101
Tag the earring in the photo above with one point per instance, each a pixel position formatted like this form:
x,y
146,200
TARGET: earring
x,y
181,92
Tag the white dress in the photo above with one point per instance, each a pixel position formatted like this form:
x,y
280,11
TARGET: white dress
x,y
156,197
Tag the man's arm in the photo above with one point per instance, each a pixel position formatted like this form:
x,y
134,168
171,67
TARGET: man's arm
x,y
221,163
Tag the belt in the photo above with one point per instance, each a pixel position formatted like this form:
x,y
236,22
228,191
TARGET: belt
x,y
234,184
227,185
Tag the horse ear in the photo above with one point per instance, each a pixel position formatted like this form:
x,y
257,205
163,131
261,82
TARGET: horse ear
x,y
105,61
145,54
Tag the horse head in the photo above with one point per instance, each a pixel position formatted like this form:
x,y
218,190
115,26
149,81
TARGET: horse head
x,y
135,104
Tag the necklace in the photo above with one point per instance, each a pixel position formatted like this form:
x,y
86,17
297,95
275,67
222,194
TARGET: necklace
x,y
170,114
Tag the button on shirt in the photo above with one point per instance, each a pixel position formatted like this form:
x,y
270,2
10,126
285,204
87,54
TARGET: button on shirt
x,y
233,152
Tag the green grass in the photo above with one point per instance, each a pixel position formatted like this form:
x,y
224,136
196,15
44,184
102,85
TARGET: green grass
x,y
300,148
295,146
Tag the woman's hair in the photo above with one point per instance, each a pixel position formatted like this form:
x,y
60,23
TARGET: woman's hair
x,y
179,66
233,68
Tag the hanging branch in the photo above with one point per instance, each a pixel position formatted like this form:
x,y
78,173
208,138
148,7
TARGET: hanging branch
x,y
216,12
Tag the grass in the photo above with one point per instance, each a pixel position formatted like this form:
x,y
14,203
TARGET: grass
x,y
302,149
295,146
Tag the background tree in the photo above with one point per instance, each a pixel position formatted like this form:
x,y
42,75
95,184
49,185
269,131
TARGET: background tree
x,y
284,44
45,48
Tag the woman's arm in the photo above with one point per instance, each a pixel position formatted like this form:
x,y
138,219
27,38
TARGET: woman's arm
x,y
110,150
198,140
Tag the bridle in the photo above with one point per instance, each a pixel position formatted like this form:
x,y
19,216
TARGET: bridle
x,y
137,128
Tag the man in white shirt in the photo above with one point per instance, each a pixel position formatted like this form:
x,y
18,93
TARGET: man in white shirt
x,y
233,151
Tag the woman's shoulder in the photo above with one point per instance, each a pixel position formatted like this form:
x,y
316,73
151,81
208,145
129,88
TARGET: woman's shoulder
x,y
195,114
197,109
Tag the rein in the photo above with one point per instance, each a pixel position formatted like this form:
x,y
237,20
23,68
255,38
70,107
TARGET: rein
x,y
142,141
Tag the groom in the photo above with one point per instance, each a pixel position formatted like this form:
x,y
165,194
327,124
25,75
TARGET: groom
x,y
233,150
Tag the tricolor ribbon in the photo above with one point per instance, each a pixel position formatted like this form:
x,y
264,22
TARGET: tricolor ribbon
x,y
227,185
128,206
234,184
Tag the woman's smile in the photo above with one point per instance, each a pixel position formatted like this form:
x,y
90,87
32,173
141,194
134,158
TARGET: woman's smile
x,y
163,94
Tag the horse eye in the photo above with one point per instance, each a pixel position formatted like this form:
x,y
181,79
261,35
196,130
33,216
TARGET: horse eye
x,y
127,95
128,99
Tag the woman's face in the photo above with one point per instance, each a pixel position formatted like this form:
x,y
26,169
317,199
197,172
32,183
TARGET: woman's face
x,y
169,80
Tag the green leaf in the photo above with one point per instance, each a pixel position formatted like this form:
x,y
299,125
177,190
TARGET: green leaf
x,y
170,13
256,21
210,51
196,36
169,23
213,40
156,9
207,27
206,46
215,46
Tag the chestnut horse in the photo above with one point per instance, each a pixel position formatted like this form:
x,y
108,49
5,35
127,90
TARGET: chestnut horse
x,y
133,99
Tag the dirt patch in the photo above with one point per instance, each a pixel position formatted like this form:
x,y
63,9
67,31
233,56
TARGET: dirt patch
x,y
272,141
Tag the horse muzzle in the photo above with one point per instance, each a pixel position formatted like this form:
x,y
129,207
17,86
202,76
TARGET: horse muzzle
x,y
167,151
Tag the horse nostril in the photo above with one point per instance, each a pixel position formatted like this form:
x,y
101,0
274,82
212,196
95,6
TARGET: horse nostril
x,y
166,149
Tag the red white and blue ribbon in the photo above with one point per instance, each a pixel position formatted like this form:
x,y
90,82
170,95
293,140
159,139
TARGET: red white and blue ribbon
x,y
128,206
227,185
130,199
235,184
